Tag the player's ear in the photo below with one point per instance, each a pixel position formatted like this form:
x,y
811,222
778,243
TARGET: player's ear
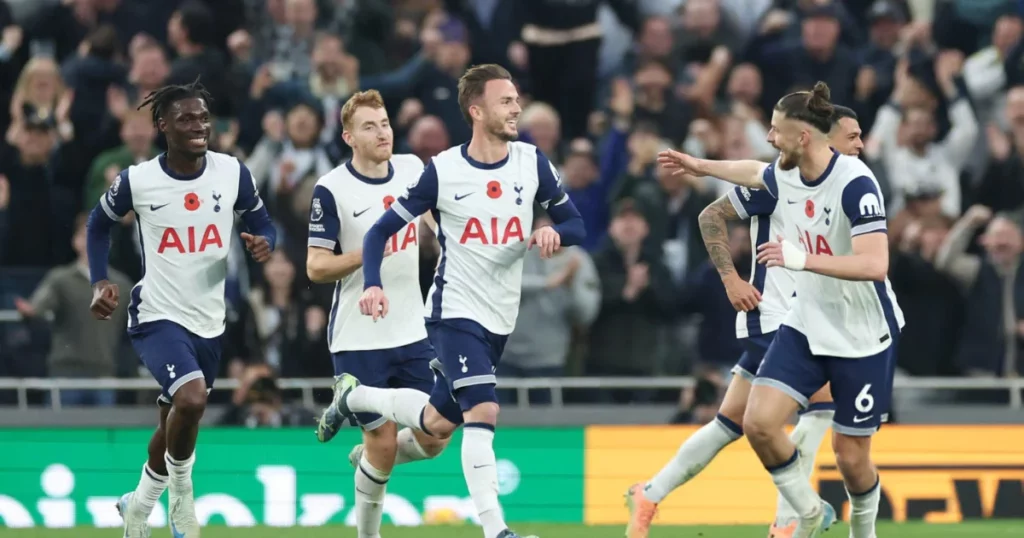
x,y
347,137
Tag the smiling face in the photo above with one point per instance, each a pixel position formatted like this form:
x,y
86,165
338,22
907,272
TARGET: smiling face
x,y
845,137
789,137
186,123
499,109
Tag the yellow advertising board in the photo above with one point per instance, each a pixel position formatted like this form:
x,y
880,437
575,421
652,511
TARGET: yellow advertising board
x,y
929,473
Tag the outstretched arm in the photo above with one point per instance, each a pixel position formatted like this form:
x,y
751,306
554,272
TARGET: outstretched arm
x,y
748,173
420,198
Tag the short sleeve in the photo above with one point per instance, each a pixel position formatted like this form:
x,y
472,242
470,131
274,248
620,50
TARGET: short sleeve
x,y
324,224
248,196
117,201
768,178
549,184
862,204
752,202
420,196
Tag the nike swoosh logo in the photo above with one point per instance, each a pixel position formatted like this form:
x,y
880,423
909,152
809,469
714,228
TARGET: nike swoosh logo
x,y
858,420
481,466
356,214
175,533
457,197
155,207
792,201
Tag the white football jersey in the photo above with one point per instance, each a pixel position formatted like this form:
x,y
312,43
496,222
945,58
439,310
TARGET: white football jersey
x,y
484,214
840,318
185,226
776,284
345,205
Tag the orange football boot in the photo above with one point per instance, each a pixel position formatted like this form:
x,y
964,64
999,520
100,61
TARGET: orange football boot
x,y
641,512
782,532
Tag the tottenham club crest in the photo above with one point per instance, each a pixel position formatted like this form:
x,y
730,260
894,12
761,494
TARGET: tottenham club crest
x,y
317,212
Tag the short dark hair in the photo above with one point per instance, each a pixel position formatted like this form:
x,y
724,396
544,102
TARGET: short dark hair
x,y
471,85
839,112
162,99
813,107
198,21
103,42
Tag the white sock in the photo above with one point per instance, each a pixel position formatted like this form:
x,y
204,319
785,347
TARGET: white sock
x,y
480,467
402,406
371,486
180,473
864,512
808,434
793,485
151,487
693,456
409,449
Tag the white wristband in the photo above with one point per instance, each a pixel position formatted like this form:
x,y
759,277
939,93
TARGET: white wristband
x,y
793,257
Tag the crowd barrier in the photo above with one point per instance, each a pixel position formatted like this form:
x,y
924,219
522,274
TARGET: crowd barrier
x,y
283,477
1013,387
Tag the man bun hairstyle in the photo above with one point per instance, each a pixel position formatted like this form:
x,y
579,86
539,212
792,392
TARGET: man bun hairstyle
x,y
813,107
472,84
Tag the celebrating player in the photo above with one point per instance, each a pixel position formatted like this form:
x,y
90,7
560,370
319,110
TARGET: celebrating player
x,y
761,304
395,351
481,195
844,321
185,203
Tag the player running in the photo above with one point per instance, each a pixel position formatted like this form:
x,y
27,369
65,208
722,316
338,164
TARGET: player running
x,y
185,202
761,304
481,194
395,351
844,322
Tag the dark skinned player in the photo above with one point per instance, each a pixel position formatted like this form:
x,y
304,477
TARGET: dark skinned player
x,y
185,202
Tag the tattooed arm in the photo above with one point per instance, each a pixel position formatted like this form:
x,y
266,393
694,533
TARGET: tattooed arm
x,y
714,228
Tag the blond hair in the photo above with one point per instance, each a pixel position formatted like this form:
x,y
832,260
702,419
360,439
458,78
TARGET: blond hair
x,y
368,98
35,67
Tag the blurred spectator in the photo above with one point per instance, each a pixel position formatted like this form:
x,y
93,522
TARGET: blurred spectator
x,y
137,136
637,296
81,346
559,295
992,336
929,296
190,33
541,122
563,41
907,148
40,93
91,72
149,70
1002,186
293,334
428,137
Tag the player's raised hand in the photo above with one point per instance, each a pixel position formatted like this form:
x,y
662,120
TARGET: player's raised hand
x,y
743,296
679,163
374,303
104,299
258,246
547,239
782,253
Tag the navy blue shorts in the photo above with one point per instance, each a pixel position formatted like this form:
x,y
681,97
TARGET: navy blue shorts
x,y
405,367
754,348
468,356
861,388
175,356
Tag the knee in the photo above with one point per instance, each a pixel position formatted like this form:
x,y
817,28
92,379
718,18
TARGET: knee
x,y
190,399
381,443
758,427
436,425
432,446
486,412
853,454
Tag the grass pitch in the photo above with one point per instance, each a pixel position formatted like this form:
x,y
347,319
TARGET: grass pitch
x,y
986,529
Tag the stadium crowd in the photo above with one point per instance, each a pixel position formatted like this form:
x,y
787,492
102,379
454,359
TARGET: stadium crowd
x,y
938,86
